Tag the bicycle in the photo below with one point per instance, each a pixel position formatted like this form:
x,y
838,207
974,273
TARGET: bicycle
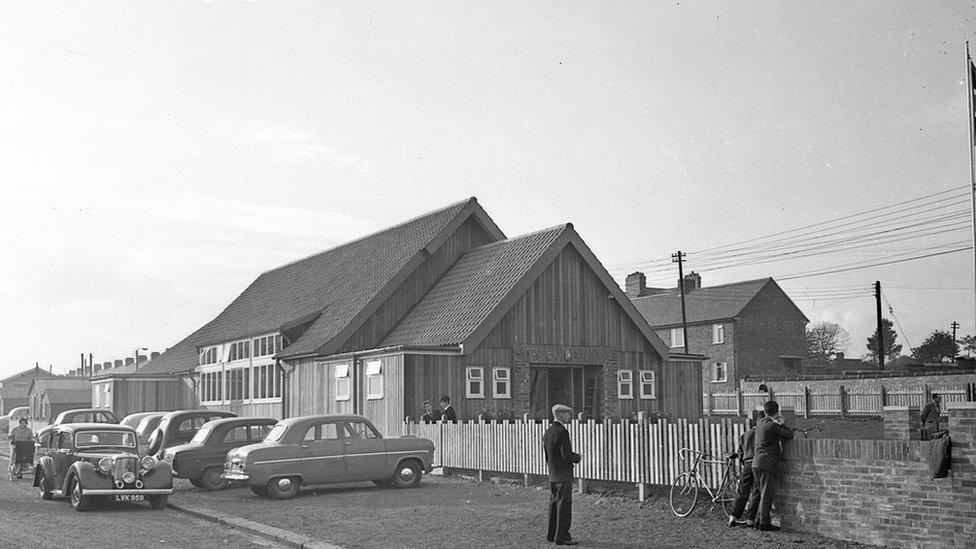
x,y
687,486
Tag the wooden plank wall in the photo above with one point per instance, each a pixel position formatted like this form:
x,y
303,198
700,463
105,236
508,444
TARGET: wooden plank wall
x,y
622,451
387,412
130,396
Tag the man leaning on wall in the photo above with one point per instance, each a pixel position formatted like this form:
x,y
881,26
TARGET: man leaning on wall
x,y
768,453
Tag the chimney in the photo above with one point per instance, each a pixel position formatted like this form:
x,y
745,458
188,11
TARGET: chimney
x,y
97,368
129,361
106,365
118,363
154,355
838,356
636,284
692,281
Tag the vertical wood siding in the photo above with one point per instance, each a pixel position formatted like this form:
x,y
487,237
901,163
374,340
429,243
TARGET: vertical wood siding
x,y
130,396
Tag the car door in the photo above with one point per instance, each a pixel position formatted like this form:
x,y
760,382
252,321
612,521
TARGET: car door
x,y
322,454
366,457
61,454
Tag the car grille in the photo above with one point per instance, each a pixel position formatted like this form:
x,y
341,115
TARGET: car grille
x,y
122,466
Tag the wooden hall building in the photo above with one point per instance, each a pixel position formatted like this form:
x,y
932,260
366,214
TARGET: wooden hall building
x,y
443,304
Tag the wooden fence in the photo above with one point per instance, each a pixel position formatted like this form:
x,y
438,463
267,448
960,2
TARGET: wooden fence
x,y
836,402
640,453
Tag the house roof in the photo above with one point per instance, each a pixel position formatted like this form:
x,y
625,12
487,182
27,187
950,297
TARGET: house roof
x,y
68,396
722,302
41,385
17,384
335,290
486,282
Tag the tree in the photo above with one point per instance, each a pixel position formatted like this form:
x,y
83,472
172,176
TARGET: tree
x,y
968,344
891,349
938,347
825,340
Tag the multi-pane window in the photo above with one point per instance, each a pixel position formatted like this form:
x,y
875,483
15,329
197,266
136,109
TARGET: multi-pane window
x,y
343,384
211,387
625,384
719,371
718,333
266,346
502,387
475,382
238,383
208,355
677,337
647,385
240,350
266,382
374,379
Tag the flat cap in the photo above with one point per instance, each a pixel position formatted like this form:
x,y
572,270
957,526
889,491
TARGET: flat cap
x,y
561,408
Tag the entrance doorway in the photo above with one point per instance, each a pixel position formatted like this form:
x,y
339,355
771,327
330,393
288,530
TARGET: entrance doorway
x,y
580,387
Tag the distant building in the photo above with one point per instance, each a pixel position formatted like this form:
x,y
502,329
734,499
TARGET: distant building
x,y
749,328
48,397
13,390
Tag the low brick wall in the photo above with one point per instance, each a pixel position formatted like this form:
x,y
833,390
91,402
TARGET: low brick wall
x,y
880,492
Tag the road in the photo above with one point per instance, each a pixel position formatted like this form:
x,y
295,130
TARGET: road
x,y
30,522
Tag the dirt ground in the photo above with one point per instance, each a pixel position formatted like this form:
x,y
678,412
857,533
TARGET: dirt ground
x,y
456,512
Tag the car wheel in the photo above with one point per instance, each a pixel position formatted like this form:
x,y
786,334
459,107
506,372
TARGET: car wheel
x,y
383,482
158,502
196,483
79,501
407,475
210,480
260,491
155,441
283,487
43,488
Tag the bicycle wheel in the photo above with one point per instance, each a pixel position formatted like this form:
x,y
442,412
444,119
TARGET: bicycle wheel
x,y
729,491
684,494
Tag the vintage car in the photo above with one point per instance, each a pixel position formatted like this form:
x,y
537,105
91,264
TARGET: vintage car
x,y
144,423
309,450
88,460
201,461
85,415
178,428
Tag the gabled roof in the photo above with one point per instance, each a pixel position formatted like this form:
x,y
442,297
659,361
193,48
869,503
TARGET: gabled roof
x,y
708,304
335,290
14,386
40,385
485,283
68,396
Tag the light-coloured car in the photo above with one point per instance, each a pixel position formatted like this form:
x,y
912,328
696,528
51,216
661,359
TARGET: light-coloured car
x,y
12,417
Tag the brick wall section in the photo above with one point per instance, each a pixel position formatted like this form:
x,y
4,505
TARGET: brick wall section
x,y
902,423
768,328
879,491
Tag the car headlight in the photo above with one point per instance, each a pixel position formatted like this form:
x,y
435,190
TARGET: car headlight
x,y
105,464
148,462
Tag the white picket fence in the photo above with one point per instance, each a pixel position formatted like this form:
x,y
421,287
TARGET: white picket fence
x,y
624,451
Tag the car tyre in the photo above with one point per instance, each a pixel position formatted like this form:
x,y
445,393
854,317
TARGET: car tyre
x,y
196,483
79,501
284,487
158,502
260,491
211,480
407,475
46,492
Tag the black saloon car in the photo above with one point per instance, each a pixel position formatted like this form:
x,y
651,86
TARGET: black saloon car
x,y
201,461
179,427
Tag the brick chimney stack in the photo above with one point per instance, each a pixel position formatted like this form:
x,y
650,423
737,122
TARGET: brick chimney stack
x,y
692,282
154,355
636,284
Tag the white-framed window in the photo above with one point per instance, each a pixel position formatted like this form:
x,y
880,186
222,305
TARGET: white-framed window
x,y
343,385
625,384
648,386
374,379
239,350
266,346
720,371
266,381
502,386
212,386
677,337
718,333
238,383
475,382
208,355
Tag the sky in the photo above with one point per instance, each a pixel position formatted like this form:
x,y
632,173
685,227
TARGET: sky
x,y
156,157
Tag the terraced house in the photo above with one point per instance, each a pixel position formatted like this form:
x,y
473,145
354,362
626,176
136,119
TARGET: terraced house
x,y
441,304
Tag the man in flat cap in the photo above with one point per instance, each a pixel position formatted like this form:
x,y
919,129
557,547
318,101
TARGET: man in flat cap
x,y
560,458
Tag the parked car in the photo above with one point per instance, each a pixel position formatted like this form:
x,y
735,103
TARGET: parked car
x,y
85,415
144,423
87,460
178,428
12,418
201,461
308,450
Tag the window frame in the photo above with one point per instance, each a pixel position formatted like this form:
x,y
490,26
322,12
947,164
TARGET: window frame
x,y
506,379
469,379
718,334
628,382
725,371
374,373
344,369
677,338
642,378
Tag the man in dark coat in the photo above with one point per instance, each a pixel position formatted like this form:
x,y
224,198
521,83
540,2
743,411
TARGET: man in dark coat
x,y
747,444
449,413
560,458
765,463
930,417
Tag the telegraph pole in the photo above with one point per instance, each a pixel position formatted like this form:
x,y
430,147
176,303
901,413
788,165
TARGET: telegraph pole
x,y
678,258
954,326
877,299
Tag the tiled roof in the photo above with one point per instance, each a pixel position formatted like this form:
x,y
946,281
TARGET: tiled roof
x,y
28,374
41,385
68,396
471,290
336,285
720,302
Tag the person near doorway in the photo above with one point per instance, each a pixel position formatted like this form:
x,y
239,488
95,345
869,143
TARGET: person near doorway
x,y
930,417
768,453
430,415
449,413
560,458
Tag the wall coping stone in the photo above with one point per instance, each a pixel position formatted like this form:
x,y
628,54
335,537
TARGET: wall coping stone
x,y
961,405
900,408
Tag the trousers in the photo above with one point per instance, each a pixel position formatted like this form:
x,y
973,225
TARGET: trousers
x,y
761,498
560,511
746,481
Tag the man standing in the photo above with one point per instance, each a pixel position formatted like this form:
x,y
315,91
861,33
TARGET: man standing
x,y
560,458
765,462
449,413
930,417
746,452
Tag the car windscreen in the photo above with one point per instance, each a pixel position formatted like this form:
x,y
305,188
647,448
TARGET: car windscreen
x,y
201,435
274,435
118,439
148,424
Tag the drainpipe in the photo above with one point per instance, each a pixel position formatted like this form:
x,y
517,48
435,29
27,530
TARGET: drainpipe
x,y
286,371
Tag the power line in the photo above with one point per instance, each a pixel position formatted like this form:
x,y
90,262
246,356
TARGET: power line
x,y
855,267
891,310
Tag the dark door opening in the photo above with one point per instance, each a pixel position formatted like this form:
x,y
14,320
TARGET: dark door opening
x,y
579,387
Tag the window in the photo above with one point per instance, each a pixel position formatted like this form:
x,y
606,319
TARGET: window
x,y
266,382
342,382
258,432
475,382
677,337
211,387
208,356
374,379
719,371
266,346
238,383
240,350
647,387
718,333
502,387
323,431
625,384
359,430
237,434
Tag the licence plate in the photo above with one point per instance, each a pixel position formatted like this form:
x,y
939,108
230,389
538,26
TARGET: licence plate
x,y
130,497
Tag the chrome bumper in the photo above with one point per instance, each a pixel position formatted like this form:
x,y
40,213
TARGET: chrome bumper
x,y
235,476
129,492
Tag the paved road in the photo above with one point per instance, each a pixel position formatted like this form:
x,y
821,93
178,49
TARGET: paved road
x,y
30,522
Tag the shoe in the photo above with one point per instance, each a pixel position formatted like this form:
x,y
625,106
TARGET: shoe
x,y
568,542
733,522
768,528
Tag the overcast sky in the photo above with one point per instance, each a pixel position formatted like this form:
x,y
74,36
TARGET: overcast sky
x,y
156,157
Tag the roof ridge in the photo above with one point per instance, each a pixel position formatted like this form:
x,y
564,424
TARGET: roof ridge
x,y
553,229
670,291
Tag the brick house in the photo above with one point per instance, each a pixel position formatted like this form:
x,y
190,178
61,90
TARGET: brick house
x,y
443,304
749,328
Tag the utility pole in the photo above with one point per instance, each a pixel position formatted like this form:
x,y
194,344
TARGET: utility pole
x,y
678,258
877,299
954,326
